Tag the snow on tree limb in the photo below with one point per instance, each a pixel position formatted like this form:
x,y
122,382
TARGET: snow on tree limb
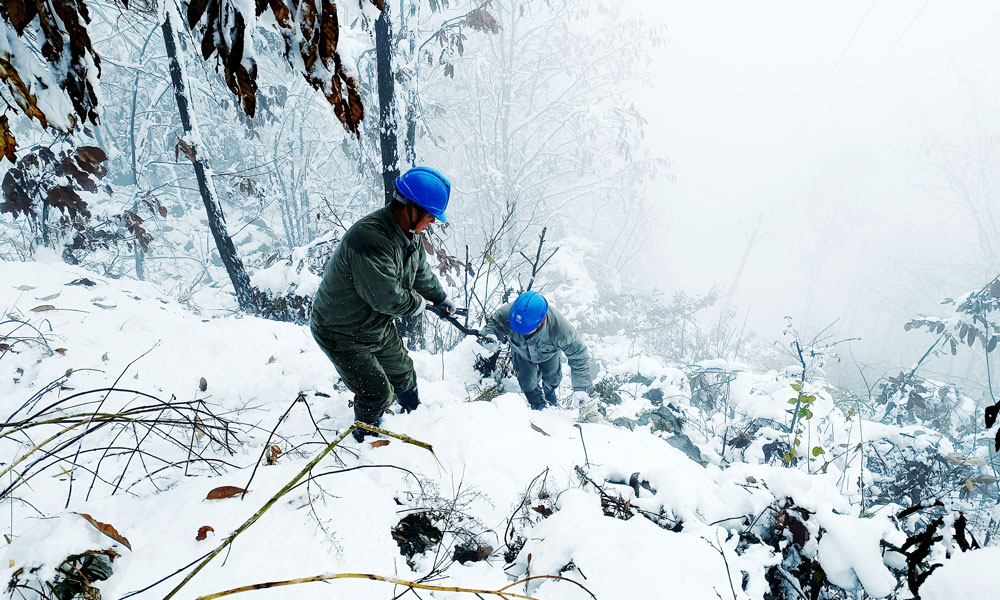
x,y
311,31
56,83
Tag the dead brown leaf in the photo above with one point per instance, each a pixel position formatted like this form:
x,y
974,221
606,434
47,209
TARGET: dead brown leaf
x,y
184,147
4,347
226,491
203,532
380,443
8,145
539,430
107,530
91,155
43,308
543,510
61,351
203,384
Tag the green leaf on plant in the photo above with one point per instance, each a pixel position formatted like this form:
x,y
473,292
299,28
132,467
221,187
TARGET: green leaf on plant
x,y
793,400
797,386
817,450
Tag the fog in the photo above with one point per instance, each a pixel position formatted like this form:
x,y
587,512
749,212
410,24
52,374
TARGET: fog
x,y
805,127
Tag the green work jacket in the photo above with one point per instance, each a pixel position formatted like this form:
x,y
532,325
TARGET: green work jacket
x,y
369,281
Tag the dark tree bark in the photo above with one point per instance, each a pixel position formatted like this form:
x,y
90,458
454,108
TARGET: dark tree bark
x,y
216,220
410,328
386,112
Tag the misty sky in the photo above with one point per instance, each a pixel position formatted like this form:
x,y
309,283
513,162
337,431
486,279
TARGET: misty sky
x,y
763,124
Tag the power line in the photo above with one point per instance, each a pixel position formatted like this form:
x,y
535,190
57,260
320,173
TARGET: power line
x,y
932,79
822,88
876,69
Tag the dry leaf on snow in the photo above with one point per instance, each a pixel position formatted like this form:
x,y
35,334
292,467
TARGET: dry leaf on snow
x,y
107,530
539,429
226,491
203,532
380,443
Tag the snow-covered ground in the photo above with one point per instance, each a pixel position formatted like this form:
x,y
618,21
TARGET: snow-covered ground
x,y
496,469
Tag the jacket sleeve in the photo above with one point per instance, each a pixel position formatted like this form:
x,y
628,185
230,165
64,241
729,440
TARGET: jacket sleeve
x,y
576,354
497,324
426,283
376,281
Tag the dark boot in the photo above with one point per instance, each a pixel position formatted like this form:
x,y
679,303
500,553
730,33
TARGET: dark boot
x,y
361,433
550,395
408,400
535,400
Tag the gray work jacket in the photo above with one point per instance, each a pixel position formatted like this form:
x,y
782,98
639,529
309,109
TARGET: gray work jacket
x,y
555,335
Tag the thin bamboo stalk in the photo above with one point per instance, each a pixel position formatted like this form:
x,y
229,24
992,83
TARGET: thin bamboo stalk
x,y
393,580
288,486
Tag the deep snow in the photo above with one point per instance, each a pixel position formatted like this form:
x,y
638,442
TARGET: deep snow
x,y
486,453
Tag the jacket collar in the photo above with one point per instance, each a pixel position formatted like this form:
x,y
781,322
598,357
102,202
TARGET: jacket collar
x,y
395,233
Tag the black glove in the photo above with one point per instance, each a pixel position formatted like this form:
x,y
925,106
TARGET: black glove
x,y
448,305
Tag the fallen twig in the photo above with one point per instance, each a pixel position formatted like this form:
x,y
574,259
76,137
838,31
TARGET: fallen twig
x,y
500,593
288,487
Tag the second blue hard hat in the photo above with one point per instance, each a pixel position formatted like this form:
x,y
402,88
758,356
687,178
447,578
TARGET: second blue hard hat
x,y
427,188
528,312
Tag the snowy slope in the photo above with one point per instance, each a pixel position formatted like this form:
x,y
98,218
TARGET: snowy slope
x,y
485,456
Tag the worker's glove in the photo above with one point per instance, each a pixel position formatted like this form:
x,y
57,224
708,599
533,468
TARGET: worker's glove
x,y
489,342
589,412
580,397
448,305
423,304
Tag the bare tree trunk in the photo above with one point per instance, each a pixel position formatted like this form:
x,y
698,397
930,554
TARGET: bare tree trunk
x,y
410,328
216,220
386,116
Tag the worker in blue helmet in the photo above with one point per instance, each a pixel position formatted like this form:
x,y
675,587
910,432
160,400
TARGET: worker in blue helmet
x,y
538,335
377,274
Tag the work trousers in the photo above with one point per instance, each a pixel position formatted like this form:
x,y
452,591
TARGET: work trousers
x,y
374,372
529,374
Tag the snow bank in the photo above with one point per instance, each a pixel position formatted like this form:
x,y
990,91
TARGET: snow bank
x,y
486,455
965,575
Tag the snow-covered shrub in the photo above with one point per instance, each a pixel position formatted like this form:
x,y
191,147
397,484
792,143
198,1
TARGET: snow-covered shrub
x,y
69,179
284,288
64,558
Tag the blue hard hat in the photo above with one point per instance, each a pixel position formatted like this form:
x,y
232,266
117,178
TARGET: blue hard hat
x,y
426,188
528,312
